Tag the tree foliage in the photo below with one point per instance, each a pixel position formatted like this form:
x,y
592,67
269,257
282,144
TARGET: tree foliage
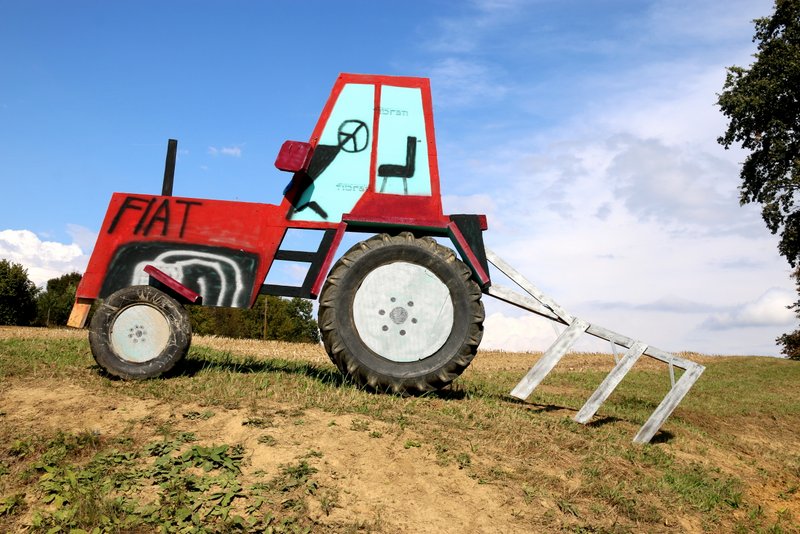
x,y
55,302
790,343
762,104
270,318
17,295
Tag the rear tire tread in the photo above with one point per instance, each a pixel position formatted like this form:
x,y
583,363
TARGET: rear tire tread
x,y
349,364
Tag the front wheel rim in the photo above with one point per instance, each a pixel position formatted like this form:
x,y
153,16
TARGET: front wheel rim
x,y
140,333
403,312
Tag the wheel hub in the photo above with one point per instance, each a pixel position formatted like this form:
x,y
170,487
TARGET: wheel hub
x,y
398,315
139,333
403,312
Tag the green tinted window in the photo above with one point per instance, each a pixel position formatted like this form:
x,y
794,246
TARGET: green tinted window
x,y
339,168
402,144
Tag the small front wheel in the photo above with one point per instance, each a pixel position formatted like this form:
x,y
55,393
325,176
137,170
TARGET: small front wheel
x,y
139,332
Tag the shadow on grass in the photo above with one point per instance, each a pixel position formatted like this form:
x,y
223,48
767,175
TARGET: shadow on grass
x,y
195,364
536,407
329,376
662,436
597,423
446,394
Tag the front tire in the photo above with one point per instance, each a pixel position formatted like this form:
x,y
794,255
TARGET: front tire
x,y
401,314
139,332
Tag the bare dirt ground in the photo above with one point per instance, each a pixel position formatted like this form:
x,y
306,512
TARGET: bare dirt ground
x,y
377,480
380,483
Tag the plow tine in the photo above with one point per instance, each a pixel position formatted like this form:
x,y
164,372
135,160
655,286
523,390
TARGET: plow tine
x,y
549,359
673,398
537,302
611,381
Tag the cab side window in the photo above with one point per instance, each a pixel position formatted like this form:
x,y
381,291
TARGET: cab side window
x,y
403,167
339,169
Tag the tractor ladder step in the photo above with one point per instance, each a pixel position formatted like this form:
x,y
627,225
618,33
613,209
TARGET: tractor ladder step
x,y
534,300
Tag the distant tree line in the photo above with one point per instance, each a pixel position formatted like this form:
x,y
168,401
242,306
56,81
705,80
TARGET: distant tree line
x,y
270,318
23,304
17,295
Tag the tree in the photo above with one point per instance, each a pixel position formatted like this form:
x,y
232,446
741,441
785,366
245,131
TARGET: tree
x,y
291,320
17,295
762,104
791,341
55,302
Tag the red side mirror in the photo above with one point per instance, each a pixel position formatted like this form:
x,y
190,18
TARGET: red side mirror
x,y
294,156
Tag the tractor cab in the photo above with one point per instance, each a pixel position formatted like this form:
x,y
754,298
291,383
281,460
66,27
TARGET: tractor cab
x,y
372,153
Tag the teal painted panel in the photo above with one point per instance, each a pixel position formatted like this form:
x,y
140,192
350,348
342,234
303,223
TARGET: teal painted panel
x,y
401,116
343,155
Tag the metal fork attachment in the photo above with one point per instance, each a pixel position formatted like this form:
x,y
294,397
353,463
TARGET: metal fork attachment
x,y
537,302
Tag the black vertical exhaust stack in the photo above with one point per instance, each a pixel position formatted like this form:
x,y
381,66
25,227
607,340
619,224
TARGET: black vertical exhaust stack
x,y
169,167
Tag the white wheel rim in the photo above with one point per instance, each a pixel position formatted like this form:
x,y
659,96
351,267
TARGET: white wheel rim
x,y
403,312
140,333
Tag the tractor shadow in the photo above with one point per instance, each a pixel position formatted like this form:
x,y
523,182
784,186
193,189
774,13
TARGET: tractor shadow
x,y
196,364
329,376
326,375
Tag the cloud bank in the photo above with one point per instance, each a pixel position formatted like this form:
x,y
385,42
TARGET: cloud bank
x,y
43,259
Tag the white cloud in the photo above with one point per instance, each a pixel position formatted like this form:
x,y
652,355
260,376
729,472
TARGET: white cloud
x,y
669,20
460,82
635,233
672,101
669,303
770,309
481,203
530,333
676,185
43,259
466,33
617,181
82,236
233,151
517,334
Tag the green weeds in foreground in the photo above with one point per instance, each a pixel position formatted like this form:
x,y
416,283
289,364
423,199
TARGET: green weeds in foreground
x,y
174,485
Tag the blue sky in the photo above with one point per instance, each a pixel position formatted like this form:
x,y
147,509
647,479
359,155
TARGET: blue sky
x,y
585,130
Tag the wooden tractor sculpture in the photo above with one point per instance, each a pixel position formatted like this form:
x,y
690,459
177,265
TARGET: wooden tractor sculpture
x,y
398,312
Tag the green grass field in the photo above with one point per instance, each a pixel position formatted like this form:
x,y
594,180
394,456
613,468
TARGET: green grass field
x,y
251,436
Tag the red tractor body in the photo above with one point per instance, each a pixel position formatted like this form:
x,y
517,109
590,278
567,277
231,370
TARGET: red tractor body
x,y
223,250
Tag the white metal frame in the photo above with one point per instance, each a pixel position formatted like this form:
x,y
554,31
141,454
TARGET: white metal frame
x,y
534,300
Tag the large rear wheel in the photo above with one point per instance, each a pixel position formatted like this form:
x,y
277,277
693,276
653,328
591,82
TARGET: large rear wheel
x,y
402,314
139,332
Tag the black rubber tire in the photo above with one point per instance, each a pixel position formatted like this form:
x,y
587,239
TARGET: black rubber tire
x,y
113,360
354,358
